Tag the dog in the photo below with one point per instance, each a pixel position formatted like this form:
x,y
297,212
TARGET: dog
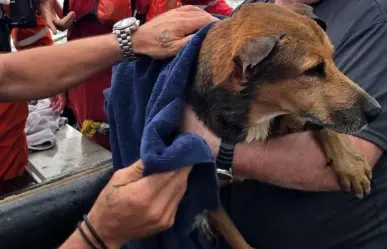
x,y
268,71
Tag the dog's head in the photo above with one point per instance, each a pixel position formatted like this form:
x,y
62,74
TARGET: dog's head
x,y
284,59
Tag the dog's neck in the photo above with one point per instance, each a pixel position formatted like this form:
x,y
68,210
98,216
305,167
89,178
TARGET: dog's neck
x,y
226,114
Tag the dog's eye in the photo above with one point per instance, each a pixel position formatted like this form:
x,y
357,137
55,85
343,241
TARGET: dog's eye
x,y
316,71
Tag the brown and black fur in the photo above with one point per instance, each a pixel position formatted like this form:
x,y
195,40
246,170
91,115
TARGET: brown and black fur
x,y
269,71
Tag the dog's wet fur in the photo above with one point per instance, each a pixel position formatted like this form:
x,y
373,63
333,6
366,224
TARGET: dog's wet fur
x,y
267,61
269,71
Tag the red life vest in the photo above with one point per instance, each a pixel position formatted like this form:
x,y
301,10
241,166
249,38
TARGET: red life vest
x,y
107,11
158,7
24,38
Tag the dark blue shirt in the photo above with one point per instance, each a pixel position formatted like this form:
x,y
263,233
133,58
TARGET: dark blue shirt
x,y
270,217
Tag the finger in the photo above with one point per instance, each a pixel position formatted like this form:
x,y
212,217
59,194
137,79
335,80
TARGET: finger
x,y
55,107
179,44
171,210
167,200
58,9
132,173
61,106
191,23
175,183
187,8
47,13
50,24
52,101
65,22
156,183
123,177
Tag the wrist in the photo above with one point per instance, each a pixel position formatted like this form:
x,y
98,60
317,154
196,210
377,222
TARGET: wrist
x,y
103,230
112,42
138,42
212,141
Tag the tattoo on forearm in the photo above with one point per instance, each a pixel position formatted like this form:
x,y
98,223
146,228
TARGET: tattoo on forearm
x,y
164,38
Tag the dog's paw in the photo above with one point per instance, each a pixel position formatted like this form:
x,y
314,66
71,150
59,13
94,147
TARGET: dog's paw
x,y
355,173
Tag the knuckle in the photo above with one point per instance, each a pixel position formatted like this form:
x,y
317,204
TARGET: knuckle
x,y
118,176
165,224
188,8
155,216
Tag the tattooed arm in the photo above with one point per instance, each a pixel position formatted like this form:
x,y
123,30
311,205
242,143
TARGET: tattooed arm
x,y
23,78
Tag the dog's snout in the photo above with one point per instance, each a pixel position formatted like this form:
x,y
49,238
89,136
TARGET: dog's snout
x,y
371,108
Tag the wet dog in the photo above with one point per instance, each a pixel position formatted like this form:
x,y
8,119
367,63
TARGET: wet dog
x,y
268,71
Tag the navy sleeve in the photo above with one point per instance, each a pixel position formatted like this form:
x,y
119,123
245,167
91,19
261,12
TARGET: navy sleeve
x,y
363,58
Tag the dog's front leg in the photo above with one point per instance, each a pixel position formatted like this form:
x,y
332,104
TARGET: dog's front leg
x,y
222,223
352,167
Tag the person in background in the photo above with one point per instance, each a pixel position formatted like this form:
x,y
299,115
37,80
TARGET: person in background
x,y
13,116
218,7
23,78
86,100
294,200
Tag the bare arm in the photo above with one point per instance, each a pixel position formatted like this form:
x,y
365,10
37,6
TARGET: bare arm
x,y
294,161
75,241
44,72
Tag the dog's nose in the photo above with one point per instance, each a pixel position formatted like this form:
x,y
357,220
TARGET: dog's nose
x,y
372,109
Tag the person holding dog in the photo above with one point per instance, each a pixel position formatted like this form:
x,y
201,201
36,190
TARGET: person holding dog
x,y
294,199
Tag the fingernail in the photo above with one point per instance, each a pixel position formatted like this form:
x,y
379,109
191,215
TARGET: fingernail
x,y
360,196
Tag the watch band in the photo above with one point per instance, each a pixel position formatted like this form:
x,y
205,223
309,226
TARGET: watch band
x,y
224,161
124,37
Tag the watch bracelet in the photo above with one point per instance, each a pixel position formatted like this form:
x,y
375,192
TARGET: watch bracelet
x,y
225,156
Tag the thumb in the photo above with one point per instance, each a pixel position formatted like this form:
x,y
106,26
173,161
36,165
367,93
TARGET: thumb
x,y
134,172
49,22
65,22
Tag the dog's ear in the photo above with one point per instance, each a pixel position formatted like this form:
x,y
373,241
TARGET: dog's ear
x,y
254,51
306,10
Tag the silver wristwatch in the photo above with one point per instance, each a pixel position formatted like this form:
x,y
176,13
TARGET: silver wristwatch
x,y
124,30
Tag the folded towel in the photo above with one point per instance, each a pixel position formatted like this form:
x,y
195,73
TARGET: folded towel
x,y
41,125
145,106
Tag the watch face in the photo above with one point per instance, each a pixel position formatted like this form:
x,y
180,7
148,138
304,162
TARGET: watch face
x,y
127,22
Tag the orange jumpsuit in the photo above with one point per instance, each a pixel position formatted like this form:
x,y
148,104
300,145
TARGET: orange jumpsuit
x,y
13,116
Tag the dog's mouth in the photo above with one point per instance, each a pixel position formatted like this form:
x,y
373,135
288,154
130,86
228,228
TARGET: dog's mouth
x,y
309,126
312,122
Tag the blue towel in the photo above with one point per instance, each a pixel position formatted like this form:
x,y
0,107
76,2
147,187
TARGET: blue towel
x,y
145,107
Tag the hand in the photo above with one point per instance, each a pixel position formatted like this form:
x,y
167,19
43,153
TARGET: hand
x,y
165,35
58,102
192,124
53,15
132,206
